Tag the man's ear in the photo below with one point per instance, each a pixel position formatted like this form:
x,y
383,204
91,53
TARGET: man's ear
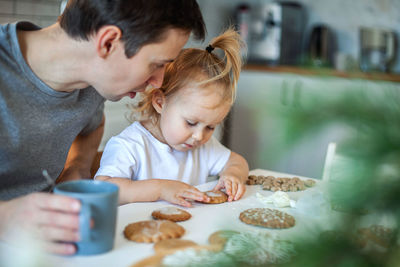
x,y
107,40
158,100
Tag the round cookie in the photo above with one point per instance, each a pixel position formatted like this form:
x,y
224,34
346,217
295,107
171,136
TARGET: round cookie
x,y
216,197
376,234
153,231
219,238
169,246
309,183
268,218
152,261
172,214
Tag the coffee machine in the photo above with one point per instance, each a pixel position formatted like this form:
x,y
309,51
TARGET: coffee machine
x,y
276,33
377,49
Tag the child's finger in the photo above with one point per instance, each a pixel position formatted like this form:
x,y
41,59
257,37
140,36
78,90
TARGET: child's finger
x,y
194,194
219,185
182,202
198,195
228,188
240,191
234,189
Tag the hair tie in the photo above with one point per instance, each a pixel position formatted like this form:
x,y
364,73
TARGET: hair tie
x,y
209,48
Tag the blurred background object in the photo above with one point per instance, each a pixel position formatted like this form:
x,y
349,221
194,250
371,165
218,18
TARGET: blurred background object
x,y
276,33
344,62
242,19
364,180
377,49
322,46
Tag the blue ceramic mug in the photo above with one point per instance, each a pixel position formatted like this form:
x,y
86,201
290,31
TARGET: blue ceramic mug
x,y
99,202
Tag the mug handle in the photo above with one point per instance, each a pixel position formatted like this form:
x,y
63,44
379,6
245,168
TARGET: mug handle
x,y
84,222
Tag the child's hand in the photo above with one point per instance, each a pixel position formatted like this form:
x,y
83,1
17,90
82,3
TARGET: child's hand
x,y
177,192
234,187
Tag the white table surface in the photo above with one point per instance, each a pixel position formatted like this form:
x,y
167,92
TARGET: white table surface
x,y
206,219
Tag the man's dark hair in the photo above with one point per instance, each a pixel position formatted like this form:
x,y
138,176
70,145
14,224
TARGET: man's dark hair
x,y
141,21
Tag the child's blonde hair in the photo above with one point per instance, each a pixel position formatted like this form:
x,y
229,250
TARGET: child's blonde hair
x,y
199,67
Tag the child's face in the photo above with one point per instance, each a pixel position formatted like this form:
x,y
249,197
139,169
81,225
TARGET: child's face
x,y
189,117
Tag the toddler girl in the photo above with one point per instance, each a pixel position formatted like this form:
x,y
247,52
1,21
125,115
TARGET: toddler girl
x,y
170,147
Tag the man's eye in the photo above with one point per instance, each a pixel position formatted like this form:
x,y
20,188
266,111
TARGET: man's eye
x,y
157,66
191,123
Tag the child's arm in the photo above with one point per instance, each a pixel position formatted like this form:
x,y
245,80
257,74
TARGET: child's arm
x,y
172,191
234,176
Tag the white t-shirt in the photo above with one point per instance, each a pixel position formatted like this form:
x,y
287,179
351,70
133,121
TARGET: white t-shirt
x,y
136,154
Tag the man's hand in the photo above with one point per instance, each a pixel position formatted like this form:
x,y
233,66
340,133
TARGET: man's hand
x,y
51,218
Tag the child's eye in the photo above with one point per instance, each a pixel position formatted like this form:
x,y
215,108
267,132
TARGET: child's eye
x,y
191,123
210,128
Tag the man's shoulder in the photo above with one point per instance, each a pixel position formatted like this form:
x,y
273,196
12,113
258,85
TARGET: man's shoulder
x,y
5,36
6,28
3,29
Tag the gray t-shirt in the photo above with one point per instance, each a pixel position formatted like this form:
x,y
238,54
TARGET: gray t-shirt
x,y
37,124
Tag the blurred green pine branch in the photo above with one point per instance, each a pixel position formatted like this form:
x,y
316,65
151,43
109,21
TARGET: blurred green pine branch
x,y
367,180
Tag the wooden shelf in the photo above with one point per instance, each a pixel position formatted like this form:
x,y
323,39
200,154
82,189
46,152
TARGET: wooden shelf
x,y
324,72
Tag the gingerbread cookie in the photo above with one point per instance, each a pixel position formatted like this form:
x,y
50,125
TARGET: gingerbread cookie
x,y
284,184
172,214
251,180
153,231
269,218
169,246
376,234
219,238
309,183
216,197
152,261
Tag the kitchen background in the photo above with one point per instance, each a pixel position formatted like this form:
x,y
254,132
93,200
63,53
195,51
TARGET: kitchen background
x,y
251,130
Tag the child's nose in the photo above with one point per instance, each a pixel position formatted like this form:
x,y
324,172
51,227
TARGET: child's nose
x,y
198,135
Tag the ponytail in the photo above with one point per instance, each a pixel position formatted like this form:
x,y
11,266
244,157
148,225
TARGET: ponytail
x,y
200,67
230,42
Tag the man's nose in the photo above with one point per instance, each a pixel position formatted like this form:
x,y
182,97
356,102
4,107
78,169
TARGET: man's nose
x,y
157,78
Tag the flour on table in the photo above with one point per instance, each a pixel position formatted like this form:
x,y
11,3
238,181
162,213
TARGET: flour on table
x,y
213,194
279,199
170,211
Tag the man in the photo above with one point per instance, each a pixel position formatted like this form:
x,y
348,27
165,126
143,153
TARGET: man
x,y
52,87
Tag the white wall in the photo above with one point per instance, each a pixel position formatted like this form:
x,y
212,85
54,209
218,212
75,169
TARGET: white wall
x,y
41,12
